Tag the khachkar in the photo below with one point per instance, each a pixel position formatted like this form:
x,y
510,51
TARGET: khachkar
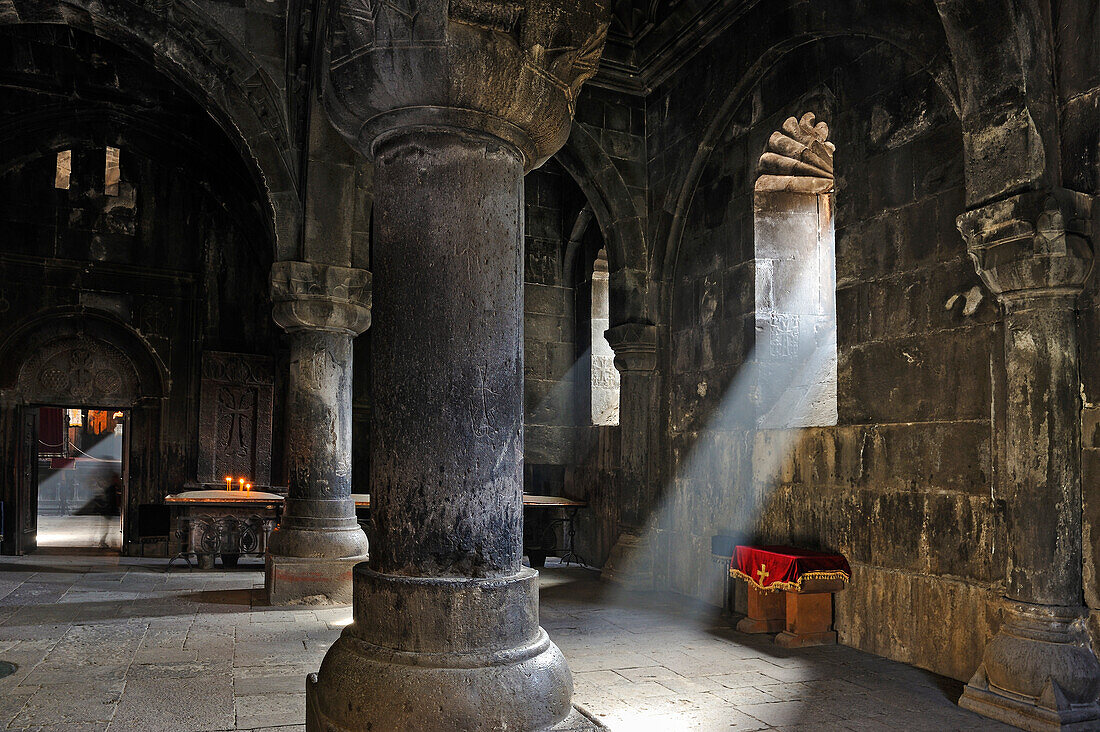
x,y
1039,671
454,100
311,555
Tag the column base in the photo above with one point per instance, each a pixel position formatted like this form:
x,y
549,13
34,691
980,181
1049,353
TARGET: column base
x,y
630,563
459,654
309,580
1038,672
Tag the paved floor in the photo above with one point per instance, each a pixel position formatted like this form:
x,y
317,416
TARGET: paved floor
x,y
104,643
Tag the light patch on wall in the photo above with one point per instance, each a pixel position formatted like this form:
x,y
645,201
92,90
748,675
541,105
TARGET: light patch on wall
x,y
111,174
64,170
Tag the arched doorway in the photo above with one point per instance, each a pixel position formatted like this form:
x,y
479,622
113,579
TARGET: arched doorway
x,y
79,360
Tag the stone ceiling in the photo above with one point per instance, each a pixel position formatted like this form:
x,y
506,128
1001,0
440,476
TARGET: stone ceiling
x,y
649,39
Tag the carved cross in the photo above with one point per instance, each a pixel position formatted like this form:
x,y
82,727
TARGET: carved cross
x,y
236,407
763,572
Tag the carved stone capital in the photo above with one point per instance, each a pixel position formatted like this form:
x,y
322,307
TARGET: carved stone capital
x,y
635,346
1032,245
508,68
310,296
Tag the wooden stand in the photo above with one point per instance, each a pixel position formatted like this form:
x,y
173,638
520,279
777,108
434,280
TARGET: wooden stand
x,y
805,618
767,611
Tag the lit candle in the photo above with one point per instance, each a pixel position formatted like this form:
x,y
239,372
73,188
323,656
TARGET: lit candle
x,y
242,484
248,486
228,482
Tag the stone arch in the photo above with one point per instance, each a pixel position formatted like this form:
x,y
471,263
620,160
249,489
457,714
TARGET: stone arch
x,y
79,356
223,77
784,26
615,212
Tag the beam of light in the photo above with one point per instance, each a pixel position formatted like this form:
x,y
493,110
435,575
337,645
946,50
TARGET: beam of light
x,y
82,531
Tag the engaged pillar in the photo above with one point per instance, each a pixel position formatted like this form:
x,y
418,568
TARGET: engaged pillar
x,y
630,562
318,541
454,103
1039,671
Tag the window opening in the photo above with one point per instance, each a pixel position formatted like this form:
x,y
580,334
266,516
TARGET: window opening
x,y
605,377
796,276
111,174
64,170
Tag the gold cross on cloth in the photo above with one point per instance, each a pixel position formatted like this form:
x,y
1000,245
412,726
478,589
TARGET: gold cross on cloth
x,y
763,572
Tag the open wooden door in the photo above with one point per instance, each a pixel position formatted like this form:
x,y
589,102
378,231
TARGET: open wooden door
x,y
27,509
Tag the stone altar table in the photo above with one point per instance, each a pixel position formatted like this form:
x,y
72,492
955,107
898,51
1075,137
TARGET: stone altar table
x,y
790,592
538,559
226,523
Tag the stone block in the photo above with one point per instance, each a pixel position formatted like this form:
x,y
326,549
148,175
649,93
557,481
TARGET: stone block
x,y
308,580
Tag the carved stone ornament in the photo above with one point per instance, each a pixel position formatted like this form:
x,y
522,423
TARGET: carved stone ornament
x,y
80,370
1033,244
635,346
799,158
310,296
506,68
235,411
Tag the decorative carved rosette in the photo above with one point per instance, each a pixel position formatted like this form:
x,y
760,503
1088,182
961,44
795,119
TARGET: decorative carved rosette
x,y
507,68
1034,244
635,346
799,158
310,296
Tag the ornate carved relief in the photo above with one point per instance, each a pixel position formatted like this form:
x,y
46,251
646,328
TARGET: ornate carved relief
x,y
798,158
79,370
498,15
310,296
235,417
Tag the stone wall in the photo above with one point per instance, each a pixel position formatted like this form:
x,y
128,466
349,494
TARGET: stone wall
x,y
179,256
904,484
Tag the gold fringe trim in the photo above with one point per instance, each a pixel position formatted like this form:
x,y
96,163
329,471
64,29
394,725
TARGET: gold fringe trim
x,y
822,574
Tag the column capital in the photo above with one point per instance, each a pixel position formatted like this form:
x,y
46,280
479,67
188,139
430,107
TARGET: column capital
x,y
635,346
322,297
511,69
1032,245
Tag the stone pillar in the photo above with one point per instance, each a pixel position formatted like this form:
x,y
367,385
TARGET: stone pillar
x,y
453,103
318,541
630,562
1039,671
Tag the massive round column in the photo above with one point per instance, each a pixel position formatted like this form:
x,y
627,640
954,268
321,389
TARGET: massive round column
x,y
1039,671
311,554
454,103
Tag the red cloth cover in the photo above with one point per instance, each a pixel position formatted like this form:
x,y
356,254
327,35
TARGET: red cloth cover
x,y
772,568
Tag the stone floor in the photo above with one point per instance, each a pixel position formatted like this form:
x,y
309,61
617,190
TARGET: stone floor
x,y
72,532
109,643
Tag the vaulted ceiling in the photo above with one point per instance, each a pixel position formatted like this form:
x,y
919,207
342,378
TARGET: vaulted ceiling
x,y
649,39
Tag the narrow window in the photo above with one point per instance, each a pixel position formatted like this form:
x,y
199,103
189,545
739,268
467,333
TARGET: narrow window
x,y
605,377
796,276
110,172
64,170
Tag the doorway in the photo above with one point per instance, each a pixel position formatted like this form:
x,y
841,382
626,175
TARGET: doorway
x,y
80,477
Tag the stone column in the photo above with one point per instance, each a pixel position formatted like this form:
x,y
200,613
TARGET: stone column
x,y
318,541
630,562
1039,671
454,103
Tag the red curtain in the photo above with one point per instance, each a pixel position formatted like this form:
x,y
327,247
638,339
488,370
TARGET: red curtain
x,y
51,430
